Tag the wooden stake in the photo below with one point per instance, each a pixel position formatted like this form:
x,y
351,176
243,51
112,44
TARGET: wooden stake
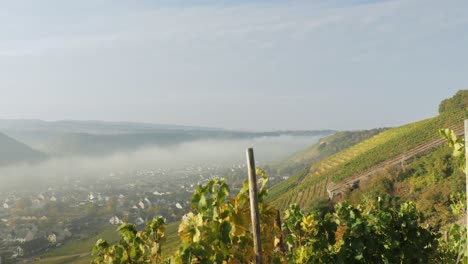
x,y
254,213
466,169
281,246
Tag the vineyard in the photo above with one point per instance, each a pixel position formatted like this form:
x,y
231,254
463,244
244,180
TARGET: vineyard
x,y
332,190
325,147
342,169
298,165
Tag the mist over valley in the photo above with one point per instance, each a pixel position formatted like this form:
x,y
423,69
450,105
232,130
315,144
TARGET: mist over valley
x,y
87,150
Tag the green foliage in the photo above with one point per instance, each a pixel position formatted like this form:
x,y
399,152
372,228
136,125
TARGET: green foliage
x,y
458,146
134,246
372,232
458,102
457,244
457,205
218,228
454,249
310,238
377,233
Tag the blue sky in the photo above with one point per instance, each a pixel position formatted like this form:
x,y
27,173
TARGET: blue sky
x,y
257,65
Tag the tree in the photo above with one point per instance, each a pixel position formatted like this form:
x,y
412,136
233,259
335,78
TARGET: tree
x,y
458,102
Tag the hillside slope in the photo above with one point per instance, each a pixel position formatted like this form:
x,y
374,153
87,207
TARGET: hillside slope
x,y
429,180
388,145
298,164
325,147
12,151
354,180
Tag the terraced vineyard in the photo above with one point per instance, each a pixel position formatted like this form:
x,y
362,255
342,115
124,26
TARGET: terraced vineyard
x,y
387,148
350,181
325,147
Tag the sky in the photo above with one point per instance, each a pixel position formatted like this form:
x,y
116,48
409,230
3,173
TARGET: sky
x,y
247,65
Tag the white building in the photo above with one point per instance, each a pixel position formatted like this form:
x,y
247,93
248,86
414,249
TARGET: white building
x,y
139,221
52,238
115,220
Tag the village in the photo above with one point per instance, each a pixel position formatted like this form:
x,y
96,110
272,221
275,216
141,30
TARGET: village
x,y
34,222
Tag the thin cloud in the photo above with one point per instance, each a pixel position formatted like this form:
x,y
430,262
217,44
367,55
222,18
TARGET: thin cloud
x,y
208,63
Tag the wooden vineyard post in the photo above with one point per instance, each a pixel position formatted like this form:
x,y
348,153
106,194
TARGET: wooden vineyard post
x,y
466,170
254,213
281,246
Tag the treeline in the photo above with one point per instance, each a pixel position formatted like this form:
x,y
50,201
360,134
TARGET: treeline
x,y
455,103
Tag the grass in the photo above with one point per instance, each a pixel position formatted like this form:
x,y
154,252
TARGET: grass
x,y
172,242
78,251
85,245
74,259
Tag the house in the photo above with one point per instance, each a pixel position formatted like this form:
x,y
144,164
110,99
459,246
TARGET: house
x,y
115,220
67,233
52,238
36,203
139,221
18,252
29,236
148,202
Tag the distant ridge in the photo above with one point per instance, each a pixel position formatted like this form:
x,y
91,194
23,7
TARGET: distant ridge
x,y
13,151
90,126
72,137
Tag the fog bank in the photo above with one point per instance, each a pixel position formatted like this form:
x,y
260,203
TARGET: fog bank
x,y
216,152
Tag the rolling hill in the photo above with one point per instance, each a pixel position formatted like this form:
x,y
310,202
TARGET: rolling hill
x,y
98,138
13,151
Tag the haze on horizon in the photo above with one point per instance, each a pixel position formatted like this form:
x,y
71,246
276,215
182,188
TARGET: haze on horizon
x,y
255,65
